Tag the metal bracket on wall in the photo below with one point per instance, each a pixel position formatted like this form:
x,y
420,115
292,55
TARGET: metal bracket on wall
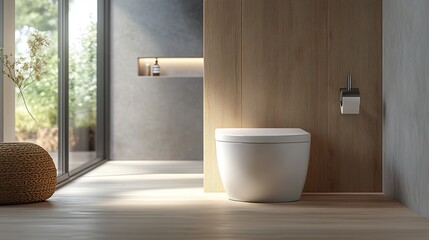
x,y
349,98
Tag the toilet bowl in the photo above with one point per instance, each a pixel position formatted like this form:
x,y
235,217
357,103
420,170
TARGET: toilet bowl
x,y
263,164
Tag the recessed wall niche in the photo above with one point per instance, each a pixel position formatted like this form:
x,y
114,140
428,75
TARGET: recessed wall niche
x,y
171,67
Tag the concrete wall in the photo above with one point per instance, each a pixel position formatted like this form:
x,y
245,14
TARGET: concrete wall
x,y
162,118
405,100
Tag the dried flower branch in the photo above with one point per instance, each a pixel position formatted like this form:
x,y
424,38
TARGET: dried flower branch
x,y
24,71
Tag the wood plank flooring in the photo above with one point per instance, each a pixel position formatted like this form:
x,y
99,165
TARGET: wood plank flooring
x,y
165,200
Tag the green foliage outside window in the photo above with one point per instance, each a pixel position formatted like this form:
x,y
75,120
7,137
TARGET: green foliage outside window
x,y
42,96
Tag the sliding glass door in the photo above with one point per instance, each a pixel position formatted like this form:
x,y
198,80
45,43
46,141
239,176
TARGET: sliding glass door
x,y
68,104
82,82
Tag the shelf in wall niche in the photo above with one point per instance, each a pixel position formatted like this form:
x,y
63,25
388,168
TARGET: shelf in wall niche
x,y
172,67
165,77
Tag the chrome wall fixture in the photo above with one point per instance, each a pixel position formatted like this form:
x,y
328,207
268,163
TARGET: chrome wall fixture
x,y
349,98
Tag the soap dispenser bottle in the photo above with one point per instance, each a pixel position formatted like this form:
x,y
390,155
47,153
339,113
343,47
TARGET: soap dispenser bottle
x,y
156,69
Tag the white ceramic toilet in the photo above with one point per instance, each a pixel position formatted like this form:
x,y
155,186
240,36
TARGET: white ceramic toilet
x,y
263,164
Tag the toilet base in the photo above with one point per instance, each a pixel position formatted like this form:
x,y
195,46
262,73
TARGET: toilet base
x,y
263,173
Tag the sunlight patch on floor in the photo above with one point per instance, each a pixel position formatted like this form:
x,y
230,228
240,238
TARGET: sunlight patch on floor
x,y
172,196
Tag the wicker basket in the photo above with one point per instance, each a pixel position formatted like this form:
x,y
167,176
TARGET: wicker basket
x,y
27,173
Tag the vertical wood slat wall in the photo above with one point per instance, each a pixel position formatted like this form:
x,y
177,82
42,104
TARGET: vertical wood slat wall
x,y
281,63
222,79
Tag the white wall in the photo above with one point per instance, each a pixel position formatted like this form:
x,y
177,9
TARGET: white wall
x,y
8,94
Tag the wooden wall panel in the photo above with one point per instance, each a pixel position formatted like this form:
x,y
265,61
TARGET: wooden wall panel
x,y
295,57
354,47
284,73
222,79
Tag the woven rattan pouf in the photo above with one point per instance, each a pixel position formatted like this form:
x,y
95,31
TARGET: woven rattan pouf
x,y
27,173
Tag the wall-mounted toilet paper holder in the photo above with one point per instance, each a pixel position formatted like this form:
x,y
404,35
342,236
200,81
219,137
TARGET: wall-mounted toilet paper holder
x,y
349,98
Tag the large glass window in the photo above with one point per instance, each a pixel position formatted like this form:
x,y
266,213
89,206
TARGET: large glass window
x,y
41,97
66,104
82,81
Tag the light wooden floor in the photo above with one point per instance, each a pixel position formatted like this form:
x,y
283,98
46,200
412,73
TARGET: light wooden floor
x,y
153,200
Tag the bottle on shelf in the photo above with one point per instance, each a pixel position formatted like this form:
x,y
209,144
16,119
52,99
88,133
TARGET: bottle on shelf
x,y
156,69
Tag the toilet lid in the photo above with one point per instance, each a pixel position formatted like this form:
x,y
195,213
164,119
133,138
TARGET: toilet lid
x,y
262,135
